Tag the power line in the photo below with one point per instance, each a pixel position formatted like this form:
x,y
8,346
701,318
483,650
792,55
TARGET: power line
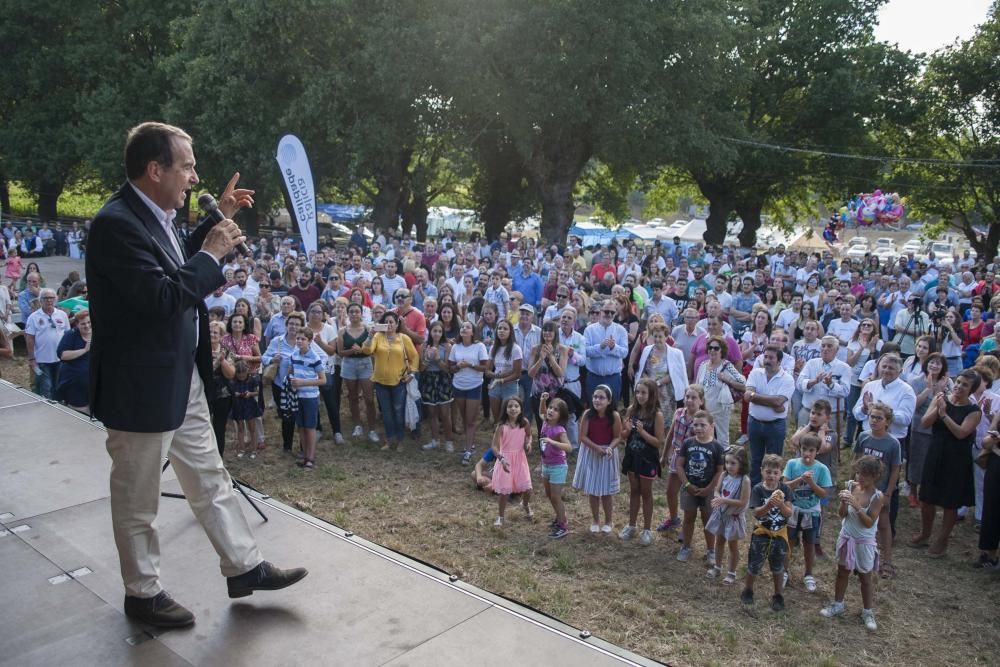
x,y
975,164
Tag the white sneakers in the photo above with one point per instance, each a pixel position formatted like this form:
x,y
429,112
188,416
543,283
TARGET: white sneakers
x,y
810,582
628,532
373,436
646,538
868,617
433,444
338,438
595,528
357,432
834,609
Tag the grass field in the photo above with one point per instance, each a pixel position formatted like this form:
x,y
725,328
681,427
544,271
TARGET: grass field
x,y
936,612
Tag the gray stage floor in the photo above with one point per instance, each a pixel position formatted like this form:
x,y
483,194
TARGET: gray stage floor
x,y
360,605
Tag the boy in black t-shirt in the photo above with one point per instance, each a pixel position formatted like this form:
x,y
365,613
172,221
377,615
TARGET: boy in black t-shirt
x,y
770,502
700,462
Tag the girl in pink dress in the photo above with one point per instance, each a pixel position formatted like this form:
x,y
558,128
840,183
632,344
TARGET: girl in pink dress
x,y
511,444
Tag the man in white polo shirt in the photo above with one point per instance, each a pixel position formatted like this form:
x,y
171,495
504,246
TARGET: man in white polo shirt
x,y
769,393
43,330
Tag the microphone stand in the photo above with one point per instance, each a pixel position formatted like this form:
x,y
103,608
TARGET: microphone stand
x,y
237,485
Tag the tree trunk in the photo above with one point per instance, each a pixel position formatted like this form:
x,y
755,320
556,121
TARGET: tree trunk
x,y
414,209
749,212
4,196
390,177
985,246
721,204
48,199
554,171
500,184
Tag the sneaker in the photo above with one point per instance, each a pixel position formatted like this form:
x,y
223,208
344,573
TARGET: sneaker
x,y
253,456
777,603
433,444
373,436
594,528
606,528
239,455
449,447
985,562
709,557
684,554
559,532
628,532
904,489
833,609
713,572
466,457
743,439
646,538
868,617
357,432
664,525
498,523
746,597
810,582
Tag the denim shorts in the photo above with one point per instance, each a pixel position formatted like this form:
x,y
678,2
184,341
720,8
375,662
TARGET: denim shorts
x,y
766,549
308,414
555,472
474,394
356,368
504,391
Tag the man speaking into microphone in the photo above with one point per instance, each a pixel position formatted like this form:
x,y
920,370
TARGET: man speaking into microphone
x,y
150,364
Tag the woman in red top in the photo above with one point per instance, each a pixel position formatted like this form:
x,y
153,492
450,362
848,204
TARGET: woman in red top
x,y
973,329
241,343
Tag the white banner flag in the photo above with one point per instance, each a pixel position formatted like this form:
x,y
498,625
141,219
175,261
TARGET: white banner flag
x,y
298,180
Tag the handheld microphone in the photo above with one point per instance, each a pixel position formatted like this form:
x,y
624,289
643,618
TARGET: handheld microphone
x,y
210,207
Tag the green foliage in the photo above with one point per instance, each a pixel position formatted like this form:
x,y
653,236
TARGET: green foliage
x,y
78,201
959,125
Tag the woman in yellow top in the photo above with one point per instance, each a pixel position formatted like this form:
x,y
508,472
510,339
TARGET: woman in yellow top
x,y
395,361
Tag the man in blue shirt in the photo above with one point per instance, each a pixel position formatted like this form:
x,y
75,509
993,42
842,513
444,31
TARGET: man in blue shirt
x,y
606,347
528,283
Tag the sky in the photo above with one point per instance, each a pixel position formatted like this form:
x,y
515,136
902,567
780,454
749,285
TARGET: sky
x,y
927,25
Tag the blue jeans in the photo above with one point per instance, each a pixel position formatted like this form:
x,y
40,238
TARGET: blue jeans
x,y
765,438
614,382
392,405
45,379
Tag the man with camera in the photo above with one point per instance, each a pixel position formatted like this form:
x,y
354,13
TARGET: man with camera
x,y
910,324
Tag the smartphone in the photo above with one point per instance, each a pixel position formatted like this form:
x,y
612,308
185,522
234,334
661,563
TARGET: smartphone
x,y
380,328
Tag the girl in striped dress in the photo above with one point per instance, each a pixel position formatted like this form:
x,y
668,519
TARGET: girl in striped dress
x,y
597,469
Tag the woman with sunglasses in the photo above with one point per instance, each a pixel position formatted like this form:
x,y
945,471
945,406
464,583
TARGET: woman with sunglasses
x,y
720,378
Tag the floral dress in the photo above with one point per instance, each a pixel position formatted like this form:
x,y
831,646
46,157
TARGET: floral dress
x,y
658,370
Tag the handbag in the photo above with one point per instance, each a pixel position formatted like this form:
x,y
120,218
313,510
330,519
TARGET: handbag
x,y
270,371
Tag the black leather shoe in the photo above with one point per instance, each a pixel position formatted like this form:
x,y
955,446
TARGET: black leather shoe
x,y
264,577
160,610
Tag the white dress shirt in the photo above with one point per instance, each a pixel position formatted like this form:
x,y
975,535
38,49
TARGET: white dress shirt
x,y
897,395
839,387
781,384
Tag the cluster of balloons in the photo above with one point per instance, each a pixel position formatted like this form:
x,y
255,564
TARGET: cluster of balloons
x,y
871,207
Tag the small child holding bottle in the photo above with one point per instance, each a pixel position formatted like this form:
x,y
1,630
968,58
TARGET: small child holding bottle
x,y
860,505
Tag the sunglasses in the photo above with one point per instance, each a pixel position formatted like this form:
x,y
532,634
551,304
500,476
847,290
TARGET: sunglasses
x,y
714,348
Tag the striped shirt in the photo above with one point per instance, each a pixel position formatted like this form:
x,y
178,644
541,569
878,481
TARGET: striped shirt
x,y
306,367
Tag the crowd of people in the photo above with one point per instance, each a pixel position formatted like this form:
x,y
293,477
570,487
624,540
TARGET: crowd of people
x,y
628,362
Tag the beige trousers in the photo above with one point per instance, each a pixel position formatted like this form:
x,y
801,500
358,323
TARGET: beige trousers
x,y
136,464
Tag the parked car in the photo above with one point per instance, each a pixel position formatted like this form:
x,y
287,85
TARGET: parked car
x,y
885,249
914,246
857,248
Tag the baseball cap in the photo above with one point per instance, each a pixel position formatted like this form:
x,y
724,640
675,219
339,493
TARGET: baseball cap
x,y
528,307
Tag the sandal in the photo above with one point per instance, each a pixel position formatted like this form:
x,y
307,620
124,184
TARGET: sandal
x,y
730,579
886,570
309,464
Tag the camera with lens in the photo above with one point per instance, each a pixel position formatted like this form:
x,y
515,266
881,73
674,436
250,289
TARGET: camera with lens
x,y
937,316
